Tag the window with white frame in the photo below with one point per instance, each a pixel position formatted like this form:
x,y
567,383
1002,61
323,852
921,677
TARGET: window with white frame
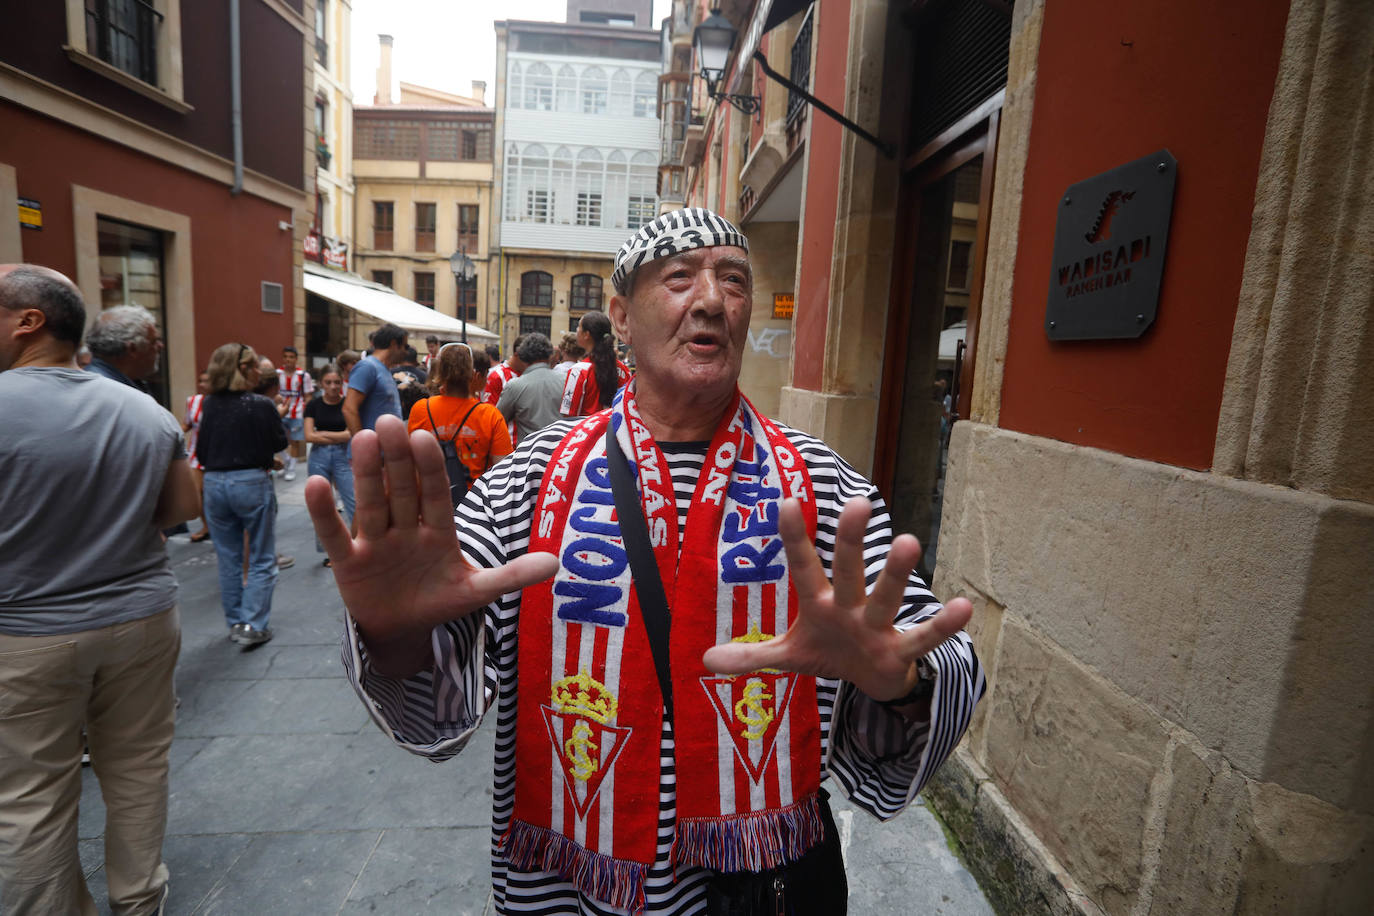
x,y
646,95
567,89
591,182
642,203
515,85
622,94
539,88
595,91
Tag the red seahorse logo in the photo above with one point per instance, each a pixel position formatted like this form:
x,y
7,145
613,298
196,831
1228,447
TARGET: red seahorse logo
x,y
1102,226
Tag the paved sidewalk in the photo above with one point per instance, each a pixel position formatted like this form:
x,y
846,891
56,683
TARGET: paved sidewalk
x,y
286,799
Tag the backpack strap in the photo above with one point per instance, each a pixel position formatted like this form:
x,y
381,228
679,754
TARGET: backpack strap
x,y
459,431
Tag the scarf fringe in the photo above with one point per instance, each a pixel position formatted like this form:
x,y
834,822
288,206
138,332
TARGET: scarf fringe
x,y
750,842
613,881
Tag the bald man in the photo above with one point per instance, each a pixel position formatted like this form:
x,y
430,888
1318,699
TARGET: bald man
x,y
89,630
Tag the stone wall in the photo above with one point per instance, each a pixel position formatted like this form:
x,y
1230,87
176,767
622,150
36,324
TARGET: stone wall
x,y
1179,703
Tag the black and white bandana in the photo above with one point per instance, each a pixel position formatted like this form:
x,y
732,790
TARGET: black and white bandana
x,y
670,234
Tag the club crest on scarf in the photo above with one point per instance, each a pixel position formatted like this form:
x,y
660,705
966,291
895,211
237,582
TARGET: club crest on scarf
x,y
579,719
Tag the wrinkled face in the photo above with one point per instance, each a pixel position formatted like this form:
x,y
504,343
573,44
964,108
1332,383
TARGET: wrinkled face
x,y
332,384
144,356
288,361
687,318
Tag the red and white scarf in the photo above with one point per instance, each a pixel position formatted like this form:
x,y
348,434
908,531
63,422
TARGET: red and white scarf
x,y
590,713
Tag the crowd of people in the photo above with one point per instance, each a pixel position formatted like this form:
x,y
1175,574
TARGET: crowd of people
x,y
555,511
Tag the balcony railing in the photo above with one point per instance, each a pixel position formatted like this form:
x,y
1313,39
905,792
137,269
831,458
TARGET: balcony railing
x,y
123,33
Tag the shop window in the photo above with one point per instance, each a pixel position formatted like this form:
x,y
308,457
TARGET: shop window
x,y
586,292
383,224
424,226
424,287
536,290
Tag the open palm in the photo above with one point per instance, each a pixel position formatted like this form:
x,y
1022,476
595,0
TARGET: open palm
x,y
841,631
404,574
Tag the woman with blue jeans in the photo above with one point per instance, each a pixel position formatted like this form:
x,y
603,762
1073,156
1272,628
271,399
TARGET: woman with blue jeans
x,y
240,432
327,432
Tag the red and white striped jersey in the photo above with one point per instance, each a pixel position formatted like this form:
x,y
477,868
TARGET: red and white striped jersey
x,y
296,389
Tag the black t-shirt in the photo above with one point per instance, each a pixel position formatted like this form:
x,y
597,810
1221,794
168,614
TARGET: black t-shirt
x,y
329,418
239,430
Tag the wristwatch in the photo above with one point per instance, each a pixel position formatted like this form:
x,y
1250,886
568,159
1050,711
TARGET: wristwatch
x,y
924,688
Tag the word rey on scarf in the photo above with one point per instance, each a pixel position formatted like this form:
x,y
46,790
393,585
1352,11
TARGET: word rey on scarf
x,y
588,740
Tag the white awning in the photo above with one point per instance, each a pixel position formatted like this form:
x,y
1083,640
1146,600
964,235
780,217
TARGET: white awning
x,y
385,304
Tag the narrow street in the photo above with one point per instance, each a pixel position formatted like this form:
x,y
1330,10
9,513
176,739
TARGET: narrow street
x,y
285,798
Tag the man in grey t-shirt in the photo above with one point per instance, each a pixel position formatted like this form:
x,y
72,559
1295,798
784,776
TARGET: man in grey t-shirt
x,y
531,401
89,632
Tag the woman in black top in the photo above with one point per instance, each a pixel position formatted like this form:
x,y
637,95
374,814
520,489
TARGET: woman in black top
x,y
239,433
327,433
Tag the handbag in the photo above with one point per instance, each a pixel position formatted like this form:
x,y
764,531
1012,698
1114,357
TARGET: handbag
x,y
815,884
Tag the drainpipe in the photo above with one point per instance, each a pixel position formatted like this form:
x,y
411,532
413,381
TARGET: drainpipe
x,y
236,94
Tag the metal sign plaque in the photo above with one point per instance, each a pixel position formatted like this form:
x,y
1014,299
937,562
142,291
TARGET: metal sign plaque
x,y
1109,245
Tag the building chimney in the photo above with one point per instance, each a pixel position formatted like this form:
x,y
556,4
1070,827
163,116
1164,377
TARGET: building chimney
x,y
479,91
383,96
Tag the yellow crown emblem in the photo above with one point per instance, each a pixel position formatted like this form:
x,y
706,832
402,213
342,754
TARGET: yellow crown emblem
x,y
754,635
581,694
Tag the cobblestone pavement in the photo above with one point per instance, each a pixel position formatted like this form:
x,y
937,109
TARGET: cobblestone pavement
x,y
286,799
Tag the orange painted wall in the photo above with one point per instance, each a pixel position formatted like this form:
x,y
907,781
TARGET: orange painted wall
x,y
235,242
1115,82
821,196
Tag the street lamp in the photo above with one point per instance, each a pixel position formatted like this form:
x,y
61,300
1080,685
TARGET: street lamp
x,y
463,272
713,41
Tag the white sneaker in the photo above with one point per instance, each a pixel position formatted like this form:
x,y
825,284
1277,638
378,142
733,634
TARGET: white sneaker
x,y
290,474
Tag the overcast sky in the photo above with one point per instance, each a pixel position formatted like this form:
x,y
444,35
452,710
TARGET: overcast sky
x,y
442,44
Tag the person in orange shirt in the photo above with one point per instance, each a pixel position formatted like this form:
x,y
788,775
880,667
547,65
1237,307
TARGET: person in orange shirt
x,y
593,382
484,439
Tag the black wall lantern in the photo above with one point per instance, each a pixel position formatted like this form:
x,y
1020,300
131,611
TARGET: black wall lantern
x,y
713,41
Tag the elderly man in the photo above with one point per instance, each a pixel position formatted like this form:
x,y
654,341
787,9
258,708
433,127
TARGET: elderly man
x,y
729,622
89,632
530,402
125,344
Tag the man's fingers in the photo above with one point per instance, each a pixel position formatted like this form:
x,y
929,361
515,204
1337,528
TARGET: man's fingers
x,y
486,585
743,657
926,635
329,527
888,591
399,471
803,564
847,572
436,506
371,513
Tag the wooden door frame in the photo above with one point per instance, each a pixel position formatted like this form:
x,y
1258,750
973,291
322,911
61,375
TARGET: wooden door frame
x,y
973,135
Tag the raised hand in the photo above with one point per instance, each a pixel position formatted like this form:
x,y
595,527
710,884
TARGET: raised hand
x,y
405,574
840,631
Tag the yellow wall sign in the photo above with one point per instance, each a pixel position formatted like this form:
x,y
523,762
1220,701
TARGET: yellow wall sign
x,y
782,305
30,213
